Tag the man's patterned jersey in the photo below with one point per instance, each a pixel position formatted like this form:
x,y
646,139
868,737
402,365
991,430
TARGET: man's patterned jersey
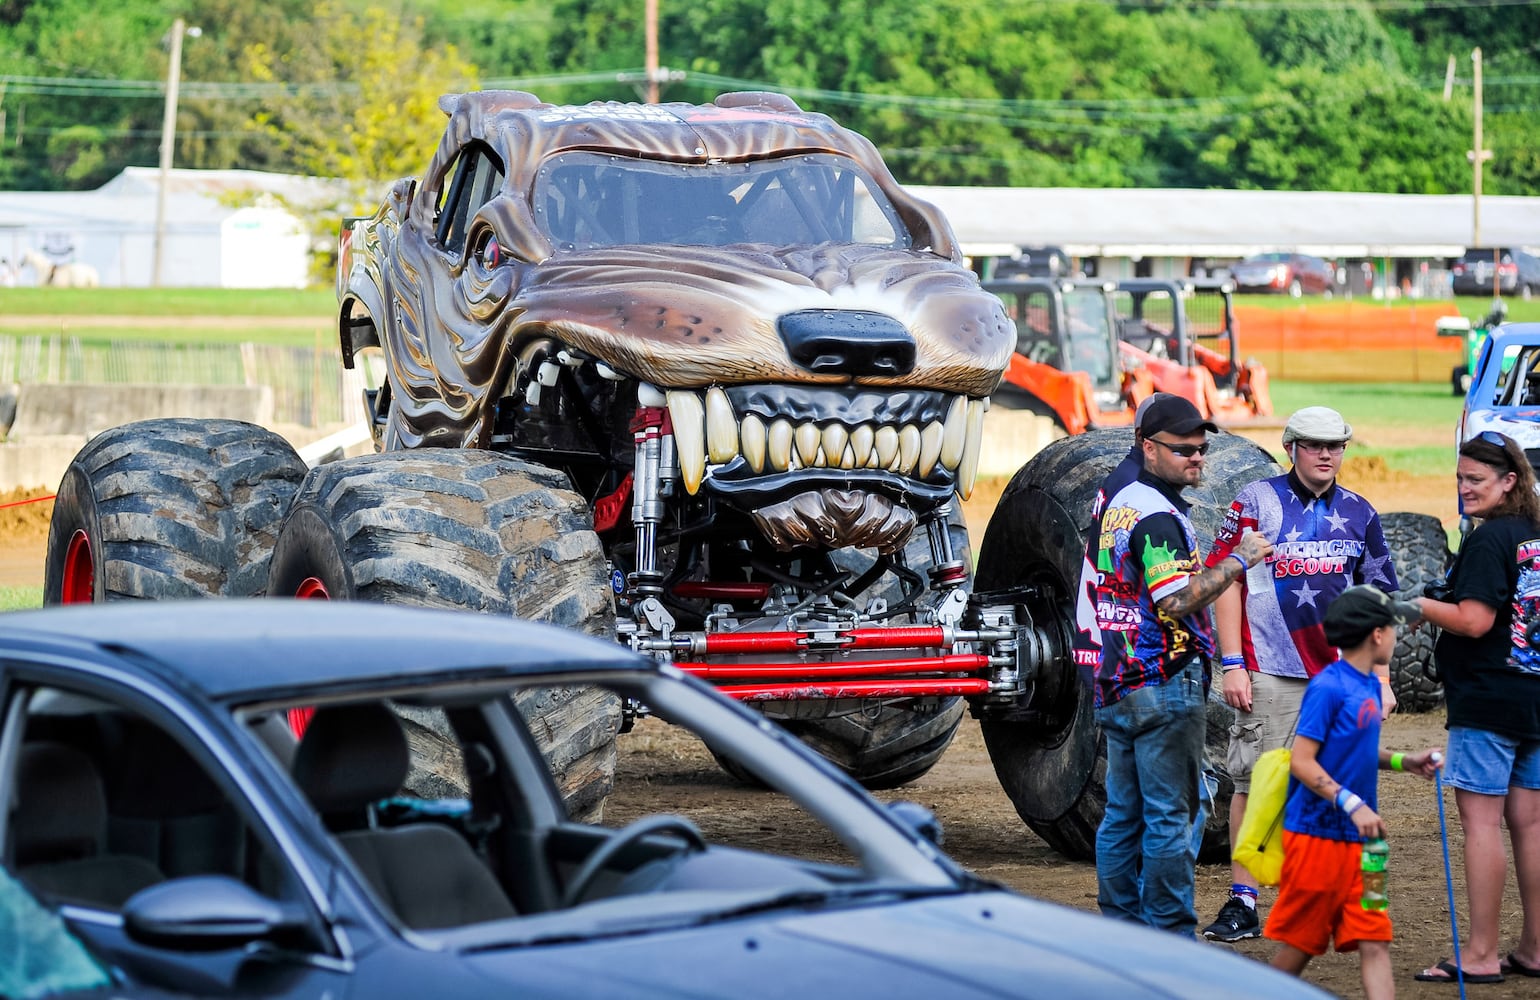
x,y
1321,546
1145,552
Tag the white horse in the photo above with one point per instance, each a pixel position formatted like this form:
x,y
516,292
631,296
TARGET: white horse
x,y
60,275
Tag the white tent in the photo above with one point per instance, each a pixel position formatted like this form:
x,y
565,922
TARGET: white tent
x,y
223,228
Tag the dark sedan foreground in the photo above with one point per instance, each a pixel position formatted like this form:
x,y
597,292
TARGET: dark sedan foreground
x,y
413,843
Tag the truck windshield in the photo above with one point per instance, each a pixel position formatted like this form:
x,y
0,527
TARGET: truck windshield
x,y
1090,335
586,200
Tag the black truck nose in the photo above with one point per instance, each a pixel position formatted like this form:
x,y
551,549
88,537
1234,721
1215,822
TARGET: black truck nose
x,y
850,342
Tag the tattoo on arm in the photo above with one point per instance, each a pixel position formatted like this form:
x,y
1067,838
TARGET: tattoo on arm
x,y
1202,589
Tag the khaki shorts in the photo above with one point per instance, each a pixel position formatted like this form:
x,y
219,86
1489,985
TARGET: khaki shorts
x,y
1268,726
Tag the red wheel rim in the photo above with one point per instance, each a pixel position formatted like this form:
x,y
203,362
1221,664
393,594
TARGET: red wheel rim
x,y
79,583
313,590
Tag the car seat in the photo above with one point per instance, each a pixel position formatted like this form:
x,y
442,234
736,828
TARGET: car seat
x,y
59,831
350,758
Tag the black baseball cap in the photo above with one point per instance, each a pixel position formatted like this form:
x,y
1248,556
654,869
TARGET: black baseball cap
x,y
1359,610
1169,412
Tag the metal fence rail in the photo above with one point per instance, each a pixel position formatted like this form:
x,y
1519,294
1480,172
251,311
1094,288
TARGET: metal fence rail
x,y
310,387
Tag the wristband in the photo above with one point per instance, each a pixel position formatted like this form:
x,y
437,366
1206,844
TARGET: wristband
x,y
1233,661
1395,761
1245,566
1347,801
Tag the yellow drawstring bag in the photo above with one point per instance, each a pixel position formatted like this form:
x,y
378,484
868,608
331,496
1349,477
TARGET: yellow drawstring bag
x,y
1259,845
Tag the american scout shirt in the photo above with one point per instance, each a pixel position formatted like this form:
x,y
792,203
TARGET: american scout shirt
x,y
1321,546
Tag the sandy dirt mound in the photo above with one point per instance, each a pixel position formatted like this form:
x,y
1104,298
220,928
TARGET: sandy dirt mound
x,y
24,514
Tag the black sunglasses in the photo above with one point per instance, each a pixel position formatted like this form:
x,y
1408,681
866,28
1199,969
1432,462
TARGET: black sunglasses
x,y
1183,450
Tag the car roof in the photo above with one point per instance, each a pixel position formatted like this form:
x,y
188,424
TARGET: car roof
x,y
246,650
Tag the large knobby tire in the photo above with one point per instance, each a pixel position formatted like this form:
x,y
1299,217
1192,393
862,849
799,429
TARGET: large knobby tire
x,y
1054,771
167,509
473,530
1419,548
880,743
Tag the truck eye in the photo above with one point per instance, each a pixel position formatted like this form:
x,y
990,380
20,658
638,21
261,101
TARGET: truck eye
x,y
490,254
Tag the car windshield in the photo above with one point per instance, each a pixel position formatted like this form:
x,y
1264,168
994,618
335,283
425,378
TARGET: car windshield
x,y
1267,258
1484,256
585,200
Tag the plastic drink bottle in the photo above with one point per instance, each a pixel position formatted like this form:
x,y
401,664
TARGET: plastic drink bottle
x,y
1376,856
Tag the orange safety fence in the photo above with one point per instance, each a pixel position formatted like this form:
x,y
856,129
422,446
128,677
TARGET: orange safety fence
x,y
1350,341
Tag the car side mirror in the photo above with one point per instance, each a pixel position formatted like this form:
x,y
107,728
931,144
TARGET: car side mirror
x,y
917,818
205,913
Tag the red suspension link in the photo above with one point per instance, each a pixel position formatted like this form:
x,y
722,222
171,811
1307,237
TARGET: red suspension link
x,y
913,637
960,663
897,688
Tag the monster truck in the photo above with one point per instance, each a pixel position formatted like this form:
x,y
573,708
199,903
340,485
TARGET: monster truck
x,y
702,377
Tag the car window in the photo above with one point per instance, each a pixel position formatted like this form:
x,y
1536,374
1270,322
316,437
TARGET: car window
x,y
1032,312
107,802
38,954
587,200
1518,380
477,176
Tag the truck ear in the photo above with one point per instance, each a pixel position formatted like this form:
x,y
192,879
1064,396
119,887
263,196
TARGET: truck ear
x,y
448,102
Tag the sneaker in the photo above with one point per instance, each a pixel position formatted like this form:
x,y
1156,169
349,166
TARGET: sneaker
x,y
1236,922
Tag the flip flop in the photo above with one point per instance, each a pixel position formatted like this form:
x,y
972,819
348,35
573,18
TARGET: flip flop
x,y
1451,975
1514,967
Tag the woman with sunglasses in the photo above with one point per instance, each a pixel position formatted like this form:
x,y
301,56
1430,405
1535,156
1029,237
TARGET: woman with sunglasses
x,y
1489,657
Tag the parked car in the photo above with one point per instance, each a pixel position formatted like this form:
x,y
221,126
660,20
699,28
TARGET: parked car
x,y
1496,271
1293,273
412,841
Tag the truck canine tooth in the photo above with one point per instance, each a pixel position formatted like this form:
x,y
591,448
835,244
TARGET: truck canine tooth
x,y
684,408
930,448
754,438
780,445
954,432
807,438
861,444
834,438
968,468
721,427
886,443
847,458
908,448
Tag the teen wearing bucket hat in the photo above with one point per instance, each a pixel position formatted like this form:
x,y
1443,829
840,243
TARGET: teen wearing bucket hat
x,y
1272,637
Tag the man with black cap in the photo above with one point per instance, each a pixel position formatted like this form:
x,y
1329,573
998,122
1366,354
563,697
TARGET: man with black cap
x,y
1269,622
1149,600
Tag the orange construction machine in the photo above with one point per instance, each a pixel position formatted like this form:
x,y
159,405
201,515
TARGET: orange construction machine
x,y
1183,333
1067,365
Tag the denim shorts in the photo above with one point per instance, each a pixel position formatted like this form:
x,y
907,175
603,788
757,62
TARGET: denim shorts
x,y
1490,763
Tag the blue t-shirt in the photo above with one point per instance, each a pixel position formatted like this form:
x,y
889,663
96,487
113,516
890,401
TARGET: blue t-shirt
x,y
1341,710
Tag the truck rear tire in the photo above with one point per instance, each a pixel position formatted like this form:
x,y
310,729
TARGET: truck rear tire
x,y
471,530
1420,550
1054,771
168,509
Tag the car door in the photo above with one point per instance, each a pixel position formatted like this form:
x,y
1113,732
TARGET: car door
x,y
114,789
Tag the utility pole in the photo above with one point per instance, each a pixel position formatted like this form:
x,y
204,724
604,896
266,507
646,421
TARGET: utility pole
x,y
1477,156
168,139
651,15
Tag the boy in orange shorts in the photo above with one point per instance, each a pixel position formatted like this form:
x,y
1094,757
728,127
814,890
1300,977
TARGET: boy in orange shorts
x,y
1333,794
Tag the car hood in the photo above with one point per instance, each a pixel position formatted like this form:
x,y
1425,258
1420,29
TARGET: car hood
x,y
974,945
1521,424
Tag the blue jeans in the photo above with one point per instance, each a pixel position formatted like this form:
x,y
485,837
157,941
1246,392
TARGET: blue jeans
x,y
1144,846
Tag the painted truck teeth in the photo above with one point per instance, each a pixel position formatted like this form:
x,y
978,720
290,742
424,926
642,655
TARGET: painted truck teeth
x,y
707,434
908,448
885,441
930,448
954,432
684,409
861,446
835,437
968,468
780,445
721,428
754,438
807,438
